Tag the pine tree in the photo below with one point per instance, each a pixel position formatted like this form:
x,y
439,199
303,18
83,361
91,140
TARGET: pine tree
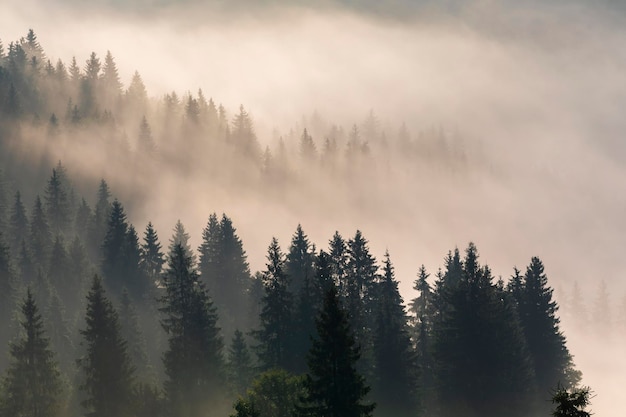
x,y
423,316
224,268
32,386
82,220
18,223
7,294
394,358
274,335
60,332
132,334
571,403
57,203
145,142
59,271
152,259
299,265
240,365
193,361
180,237
551,359
338,252
334,387
107,370
101,217
482,365
113,246
40,236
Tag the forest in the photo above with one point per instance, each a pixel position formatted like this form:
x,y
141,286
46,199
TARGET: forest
x,y
102,318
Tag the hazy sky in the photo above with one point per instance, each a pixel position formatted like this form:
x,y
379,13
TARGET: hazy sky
x,y
538,90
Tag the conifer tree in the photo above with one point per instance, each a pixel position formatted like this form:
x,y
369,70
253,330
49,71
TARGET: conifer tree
x,y
423,316
18,223
274,336
180,237
132,334
57,203
60,331
240,367
482,365
334,387
101,217
32,385
551,359
40,236
82,222
394,385
106,366
7,293
152,259
300,259
224,268
193,361
113,246
338,252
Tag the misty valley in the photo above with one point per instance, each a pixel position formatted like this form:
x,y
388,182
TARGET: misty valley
x,y
110,306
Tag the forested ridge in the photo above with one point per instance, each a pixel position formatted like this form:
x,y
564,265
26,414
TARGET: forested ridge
x,y
103,319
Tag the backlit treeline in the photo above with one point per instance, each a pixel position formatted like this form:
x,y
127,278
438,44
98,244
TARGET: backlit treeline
x,y
100,319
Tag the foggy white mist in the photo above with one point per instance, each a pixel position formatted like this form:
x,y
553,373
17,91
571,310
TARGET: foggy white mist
x,y
538,94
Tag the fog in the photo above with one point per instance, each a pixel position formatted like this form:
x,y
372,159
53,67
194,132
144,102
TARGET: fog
x,y
536,93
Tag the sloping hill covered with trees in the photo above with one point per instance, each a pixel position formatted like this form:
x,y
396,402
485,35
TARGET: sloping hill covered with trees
x,y
101,318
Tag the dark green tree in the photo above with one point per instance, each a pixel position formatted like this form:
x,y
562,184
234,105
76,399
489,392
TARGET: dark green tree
x,y
274,336
334,388
18,224
193,361
131,332
57,203
106,366
240,366
100,221
551,359
482,366
571,403
300,259
32,385
394,385
338,252
40,236
152,259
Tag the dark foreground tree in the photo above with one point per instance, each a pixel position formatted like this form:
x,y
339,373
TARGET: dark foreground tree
x,y
334,387
193,361
571,403
107,371
32,386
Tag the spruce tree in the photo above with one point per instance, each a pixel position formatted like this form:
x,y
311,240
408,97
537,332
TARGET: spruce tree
x,y
193,361
18,224
334,388
240,367
32,385
551,359
106,366
275,334
394,385
152,259
133,335
40,236
57,203
482,366
7,294
300,259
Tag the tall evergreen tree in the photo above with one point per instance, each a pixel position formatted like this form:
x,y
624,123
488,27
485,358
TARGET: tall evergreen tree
x,y
423,315
180,237
101,217
551,359
334,387
18,223
300,259
40,236
57,203
32,386
240,367
107,370
133,335
394,386
482,365
274,336
115,241
338,252
152,259
193,361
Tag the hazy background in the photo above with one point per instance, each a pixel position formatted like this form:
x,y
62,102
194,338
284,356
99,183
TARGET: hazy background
x,y
538,92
